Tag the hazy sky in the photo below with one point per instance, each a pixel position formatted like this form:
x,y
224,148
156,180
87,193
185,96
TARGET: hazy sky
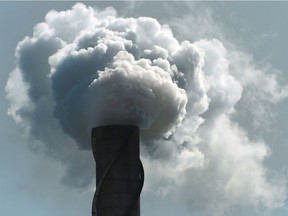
x,y
253,36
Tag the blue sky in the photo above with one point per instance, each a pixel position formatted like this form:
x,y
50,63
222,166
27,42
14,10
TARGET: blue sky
x,y
254,37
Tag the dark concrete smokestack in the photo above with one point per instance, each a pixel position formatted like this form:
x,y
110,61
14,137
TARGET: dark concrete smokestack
x,y
119,171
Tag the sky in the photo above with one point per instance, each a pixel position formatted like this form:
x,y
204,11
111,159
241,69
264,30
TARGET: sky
x,y
218,149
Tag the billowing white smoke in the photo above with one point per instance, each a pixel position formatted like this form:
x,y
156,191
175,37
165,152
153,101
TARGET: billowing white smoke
x,y
83,68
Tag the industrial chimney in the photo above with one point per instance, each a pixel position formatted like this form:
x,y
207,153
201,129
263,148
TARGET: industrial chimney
x,y
119,171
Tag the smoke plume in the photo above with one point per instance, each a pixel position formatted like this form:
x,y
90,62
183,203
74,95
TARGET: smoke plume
x,y
83,68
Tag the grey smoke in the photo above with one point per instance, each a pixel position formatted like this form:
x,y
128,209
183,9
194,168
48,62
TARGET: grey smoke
x,y
107,69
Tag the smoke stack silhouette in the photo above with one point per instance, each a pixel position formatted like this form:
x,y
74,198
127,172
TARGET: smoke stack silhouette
x,y
119,171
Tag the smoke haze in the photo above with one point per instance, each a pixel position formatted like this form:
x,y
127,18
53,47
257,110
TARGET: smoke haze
x,y
83,68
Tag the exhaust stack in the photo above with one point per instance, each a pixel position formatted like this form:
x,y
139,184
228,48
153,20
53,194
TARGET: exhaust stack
x,y
119,171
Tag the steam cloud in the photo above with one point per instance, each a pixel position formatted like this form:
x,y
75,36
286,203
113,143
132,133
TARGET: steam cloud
x,y
83,68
